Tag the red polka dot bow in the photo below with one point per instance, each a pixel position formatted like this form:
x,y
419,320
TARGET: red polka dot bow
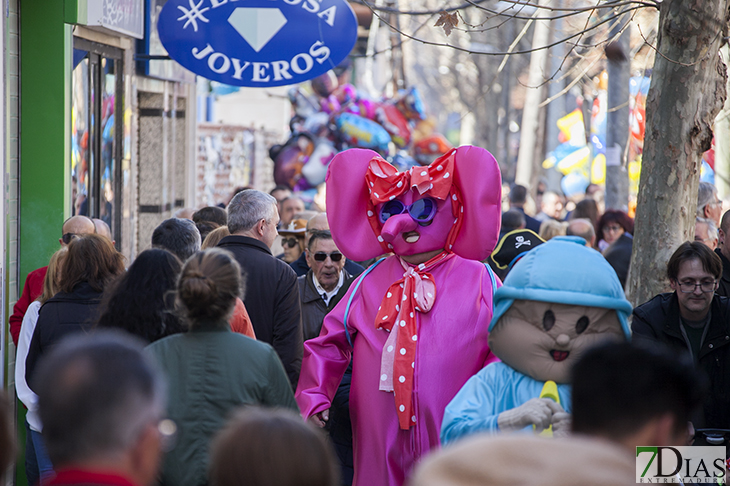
x,y
414,293
386,183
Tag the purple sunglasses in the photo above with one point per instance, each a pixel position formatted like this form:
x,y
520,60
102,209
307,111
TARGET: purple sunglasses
x,y
422,211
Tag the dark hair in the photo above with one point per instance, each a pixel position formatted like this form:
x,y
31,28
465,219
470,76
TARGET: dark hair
x,y
91,258
615,216
690,250
588,209
96,393
178,236
211,214
512,219
204,228
725,223
142,302
279,188
208,286
617,388
249,451
518,194
318,235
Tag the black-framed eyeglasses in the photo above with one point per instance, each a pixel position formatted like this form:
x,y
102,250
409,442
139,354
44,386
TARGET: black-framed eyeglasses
x,y
67,237
612,228
689,286
290,242
321,256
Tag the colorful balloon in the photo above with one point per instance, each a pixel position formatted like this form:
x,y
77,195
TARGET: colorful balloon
x,y
410,104
357,131
289,159
394,123
315,170
431,148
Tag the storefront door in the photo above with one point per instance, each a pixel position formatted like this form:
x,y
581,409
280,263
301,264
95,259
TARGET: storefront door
x,y
97,128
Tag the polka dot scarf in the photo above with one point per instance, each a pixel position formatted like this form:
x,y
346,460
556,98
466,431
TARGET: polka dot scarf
x,y
415,292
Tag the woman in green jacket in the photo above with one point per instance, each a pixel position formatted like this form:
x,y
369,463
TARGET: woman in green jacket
x,y
210,370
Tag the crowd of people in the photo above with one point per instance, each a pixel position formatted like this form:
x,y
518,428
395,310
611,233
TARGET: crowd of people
x,y
218,354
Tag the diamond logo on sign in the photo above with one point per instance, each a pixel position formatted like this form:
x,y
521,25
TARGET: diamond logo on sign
x,y
257,25
264,43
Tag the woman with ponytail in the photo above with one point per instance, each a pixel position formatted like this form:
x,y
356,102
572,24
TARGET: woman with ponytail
x,y
210,369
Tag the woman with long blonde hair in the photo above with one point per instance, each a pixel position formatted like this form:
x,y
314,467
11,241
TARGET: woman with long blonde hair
x,y
37,464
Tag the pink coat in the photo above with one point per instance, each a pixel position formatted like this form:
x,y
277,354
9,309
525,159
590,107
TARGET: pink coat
x,y
451,347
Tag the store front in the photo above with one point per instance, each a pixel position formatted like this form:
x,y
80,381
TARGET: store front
x,y
96,134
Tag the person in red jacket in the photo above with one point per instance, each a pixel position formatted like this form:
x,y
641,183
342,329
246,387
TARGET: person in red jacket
x,y
75,225
102,404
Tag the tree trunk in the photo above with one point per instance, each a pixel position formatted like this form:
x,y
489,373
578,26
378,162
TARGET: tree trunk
x,y
687,91
617,129
533,98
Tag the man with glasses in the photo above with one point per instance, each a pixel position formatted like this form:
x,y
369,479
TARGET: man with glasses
x,y
102,404
72,227
693,320
319,223
322,282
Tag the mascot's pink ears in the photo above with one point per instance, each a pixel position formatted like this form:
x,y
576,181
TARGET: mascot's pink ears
x,y
477,177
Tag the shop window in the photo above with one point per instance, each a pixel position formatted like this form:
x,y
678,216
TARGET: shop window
x,y
96,133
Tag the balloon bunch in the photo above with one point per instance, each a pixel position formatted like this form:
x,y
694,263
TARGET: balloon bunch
x,y
337,117
584,162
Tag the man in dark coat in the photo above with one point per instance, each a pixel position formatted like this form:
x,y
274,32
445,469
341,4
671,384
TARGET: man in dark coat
x,y
517,200
272,295
694,320
723,251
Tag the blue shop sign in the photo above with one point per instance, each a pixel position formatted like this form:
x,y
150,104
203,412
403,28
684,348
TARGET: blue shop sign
x,y
258,43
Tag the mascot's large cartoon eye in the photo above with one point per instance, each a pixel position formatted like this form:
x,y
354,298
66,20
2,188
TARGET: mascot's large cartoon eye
x,y
548,320
582,324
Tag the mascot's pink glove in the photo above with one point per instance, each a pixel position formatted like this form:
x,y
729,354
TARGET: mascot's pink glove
x,y
536,411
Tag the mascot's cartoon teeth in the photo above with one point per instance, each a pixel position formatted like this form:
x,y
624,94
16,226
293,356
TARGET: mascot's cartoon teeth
x,y
411,237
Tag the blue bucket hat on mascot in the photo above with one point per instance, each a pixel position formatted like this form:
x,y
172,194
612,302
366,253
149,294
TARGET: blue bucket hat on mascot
x,y
564,271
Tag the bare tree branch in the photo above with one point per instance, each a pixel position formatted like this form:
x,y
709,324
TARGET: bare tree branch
x,y
526,51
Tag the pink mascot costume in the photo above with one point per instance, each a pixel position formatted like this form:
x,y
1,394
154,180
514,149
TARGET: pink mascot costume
x,y
416,322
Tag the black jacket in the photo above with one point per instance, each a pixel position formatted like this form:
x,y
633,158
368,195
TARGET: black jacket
x,y
530,222
618,255
301,267
62,314
272,300
723,287
658,321
313,307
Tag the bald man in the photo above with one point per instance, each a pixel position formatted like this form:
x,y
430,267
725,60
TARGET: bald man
x,y
319,223
103,229
73,226
584,228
